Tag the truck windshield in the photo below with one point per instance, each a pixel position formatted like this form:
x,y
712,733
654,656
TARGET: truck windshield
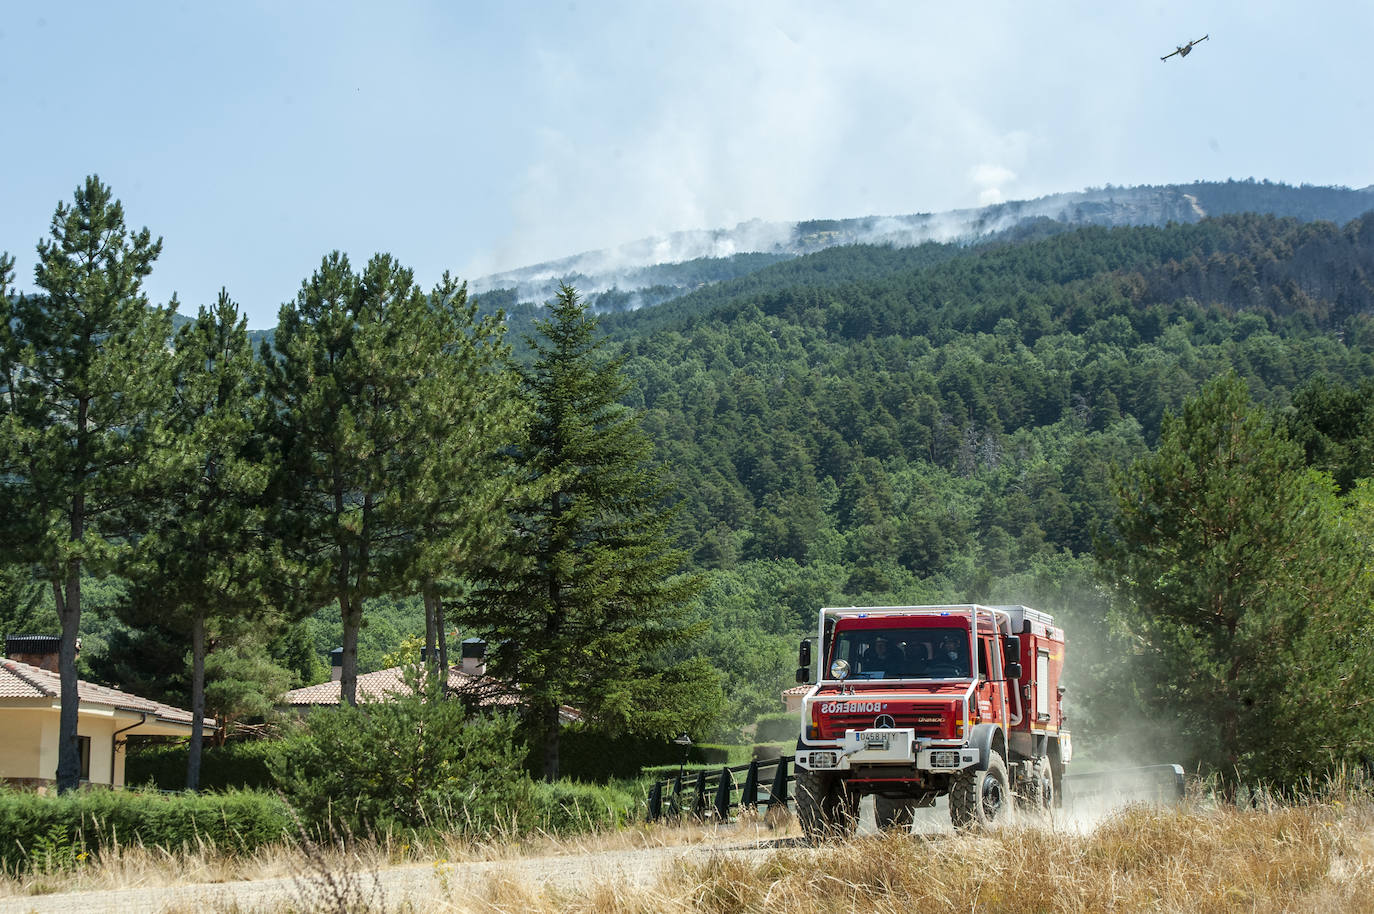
x,y
903,653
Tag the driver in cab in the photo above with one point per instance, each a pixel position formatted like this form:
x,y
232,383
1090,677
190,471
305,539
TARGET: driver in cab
x,y
884,660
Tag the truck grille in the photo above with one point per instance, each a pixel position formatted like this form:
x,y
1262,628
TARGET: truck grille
x,y
927,722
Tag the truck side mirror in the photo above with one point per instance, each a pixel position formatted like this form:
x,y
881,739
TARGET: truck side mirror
x,y
803,675
1011,648
804,653
1011,669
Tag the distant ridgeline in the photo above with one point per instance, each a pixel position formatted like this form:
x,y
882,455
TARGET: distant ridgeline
x,y
650,272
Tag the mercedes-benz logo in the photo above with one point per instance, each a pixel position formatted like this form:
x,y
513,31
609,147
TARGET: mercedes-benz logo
x,y
884,722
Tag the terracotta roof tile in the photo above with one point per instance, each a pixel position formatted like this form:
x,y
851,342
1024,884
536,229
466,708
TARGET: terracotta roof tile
x,y
383,684
21,680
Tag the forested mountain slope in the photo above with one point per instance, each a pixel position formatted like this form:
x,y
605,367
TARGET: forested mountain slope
x,y
903,420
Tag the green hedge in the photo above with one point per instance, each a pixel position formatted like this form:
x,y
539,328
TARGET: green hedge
x,y
231,766
51,832
587,755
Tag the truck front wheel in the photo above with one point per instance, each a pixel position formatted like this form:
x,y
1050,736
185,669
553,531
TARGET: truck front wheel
x,y
825,807
978,798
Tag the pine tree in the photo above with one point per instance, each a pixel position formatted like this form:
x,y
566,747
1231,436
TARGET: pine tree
x,y
83,383
387,414
584,599
1245,590
472,415
204,562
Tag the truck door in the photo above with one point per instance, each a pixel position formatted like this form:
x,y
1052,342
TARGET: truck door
x,y
989,693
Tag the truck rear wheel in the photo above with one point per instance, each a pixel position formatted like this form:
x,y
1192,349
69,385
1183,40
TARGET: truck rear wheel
x,y
894,815
1036,792
825,807
978,798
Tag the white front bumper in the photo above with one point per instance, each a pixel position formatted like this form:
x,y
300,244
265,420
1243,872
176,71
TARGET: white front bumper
x,y
885,747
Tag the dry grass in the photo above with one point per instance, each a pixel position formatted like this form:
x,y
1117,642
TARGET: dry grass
x,y
1313,856
138,866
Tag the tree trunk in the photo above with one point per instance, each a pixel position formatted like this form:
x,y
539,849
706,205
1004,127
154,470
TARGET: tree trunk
x,y
442,625
348,675
431,599
197,701
551,734
68,595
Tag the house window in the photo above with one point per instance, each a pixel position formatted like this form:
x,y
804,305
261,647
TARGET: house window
x,y
84,747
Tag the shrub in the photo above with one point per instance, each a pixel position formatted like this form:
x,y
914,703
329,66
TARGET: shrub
x,y
568,807
411,762
53,832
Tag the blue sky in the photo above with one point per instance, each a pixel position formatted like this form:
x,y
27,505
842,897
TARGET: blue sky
x,y
475,137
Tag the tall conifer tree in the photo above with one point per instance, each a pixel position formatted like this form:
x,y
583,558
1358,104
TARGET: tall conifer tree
x,y
205,562
585,598
84,380
462,483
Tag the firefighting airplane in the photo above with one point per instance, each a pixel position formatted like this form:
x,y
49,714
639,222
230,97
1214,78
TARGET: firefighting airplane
x,y
1184,49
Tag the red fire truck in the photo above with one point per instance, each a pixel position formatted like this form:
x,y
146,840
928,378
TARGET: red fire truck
x,y
915,702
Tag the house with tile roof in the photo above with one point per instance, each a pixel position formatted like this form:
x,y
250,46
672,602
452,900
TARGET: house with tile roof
x,y
468,681
31,705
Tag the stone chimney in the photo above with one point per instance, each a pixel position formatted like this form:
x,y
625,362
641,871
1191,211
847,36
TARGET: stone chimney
x,y
336,664
35,650
473,660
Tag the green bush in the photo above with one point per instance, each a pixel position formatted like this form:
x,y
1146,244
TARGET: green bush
x,y
55,832
233,765
568,807
779,727
414,762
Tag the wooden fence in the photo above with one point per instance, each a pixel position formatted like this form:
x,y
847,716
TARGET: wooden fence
x,y
705,795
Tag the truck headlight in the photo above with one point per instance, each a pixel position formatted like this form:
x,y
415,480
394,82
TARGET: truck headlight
x,y
944,759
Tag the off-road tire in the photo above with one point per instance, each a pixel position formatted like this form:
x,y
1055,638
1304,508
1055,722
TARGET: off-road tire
x,y
825,807
1036,792
979,798
894,815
